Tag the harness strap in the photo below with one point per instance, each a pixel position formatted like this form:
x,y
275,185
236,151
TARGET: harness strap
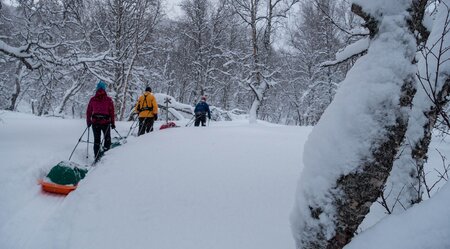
x,y
100,116
146,108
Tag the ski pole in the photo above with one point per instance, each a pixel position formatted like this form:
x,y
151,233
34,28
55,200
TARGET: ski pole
x,y
79,140
132,127
135,126
118,133
87,146
190,121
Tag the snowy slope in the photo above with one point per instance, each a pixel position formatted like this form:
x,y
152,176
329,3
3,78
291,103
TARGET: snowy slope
x,y
425,226
230,185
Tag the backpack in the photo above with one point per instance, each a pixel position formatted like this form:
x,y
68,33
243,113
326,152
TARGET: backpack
x,y
146,107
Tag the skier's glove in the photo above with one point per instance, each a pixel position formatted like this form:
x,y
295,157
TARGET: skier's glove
x,y
113,126
89,125
155,117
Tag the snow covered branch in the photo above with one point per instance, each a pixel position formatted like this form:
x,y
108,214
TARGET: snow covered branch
x,y
21,53
351,51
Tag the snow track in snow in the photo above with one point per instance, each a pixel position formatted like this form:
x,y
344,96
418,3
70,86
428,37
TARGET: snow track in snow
x,y
23,228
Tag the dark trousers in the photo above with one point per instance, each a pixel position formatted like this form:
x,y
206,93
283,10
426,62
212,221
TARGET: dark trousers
x,y
97,129
145,125
200,117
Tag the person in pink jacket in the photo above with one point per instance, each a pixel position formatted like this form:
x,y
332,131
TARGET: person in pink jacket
x,y
100,115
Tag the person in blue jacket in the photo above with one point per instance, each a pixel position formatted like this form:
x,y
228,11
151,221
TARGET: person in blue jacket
x,y
201,109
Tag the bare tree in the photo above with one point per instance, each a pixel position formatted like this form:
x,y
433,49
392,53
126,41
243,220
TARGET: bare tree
x,y
261,27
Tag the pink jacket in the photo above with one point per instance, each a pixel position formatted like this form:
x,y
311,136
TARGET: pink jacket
x,y
100,109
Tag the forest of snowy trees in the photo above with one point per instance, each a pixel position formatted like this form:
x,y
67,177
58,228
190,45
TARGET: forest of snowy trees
x,y
262,57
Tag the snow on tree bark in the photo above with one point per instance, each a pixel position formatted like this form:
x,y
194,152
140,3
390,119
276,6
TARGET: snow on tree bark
x,y
350,152
17,80
76,86
405,184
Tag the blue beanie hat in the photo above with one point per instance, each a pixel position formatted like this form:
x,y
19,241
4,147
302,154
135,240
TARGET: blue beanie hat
x,y
101,85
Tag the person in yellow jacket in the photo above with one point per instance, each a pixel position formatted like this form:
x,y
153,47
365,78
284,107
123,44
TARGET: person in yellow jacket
x,y
147,108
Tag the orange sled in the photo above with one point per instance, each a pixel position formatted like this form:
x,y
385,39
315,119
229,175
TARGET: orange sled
x,y
56,188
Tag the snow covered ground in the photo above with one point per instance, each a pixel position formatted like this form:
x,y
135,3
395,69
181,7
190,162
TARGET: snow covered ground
x,y
230,185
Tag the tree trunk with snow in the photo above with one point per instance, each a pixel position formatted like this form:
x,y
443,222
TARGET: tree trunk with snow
x,y
259,68
406,183
17,80
253,114
77,84
350,153
123,107
118,11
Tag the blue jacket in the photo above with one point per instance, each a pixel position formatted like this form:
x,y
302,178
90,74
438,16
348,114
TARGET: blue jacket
x,y
202,108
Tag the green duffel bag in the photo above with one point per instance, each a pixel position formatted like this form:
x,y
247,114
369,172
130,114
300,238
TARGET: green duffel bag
x,y
66,173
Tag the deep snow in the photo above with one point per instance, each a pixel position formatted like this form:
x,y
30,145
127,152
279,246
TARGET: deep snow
x,y
230,185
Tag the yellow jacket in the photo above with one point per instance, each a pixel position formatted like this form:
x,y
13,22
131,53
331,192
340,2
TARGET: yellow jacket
x,y
146,105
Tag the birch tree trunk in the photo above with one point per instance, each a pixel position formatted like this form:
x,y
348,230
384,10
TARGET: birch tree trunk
x,y
125,86
17,80
406,184
347,167
256,74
